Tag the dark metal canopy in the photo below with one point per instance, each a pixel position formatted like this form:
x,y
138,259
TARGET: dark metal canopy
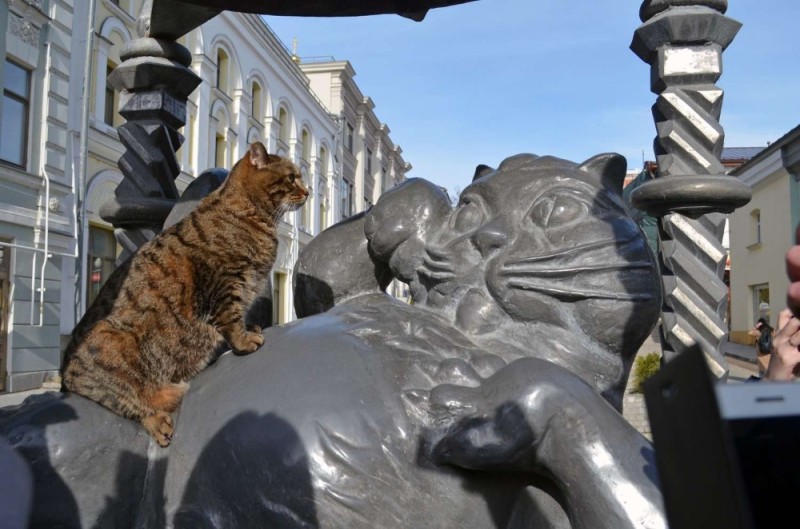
x,y
173,18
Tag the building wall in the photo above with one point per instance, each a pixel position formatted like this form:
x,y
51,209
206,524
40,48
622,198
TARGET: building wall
x,y
36,205
38,213
760,260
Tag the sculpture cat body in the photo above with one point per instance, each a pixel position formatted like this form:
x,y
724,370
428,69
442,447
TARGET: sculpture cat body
x,y
161,316
487,403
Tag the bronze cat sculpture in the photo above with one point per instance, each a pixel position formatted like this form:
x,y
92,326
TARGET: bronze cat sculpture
x,y
490,402
161,316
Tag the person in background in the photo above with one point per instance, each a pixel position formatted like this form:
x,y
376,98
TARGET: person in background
x,y
763,333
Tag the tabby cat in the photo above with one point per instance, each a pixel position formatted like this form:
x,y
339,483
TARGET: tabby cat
x,y
162,315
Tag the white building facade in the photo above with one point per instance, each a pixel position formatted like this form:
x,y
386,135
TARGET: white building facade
x,y
251,90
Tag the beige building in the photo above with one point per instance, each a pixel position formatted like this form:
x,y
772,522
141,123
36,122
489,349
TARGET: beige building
x,y
371,162
252,90
761,232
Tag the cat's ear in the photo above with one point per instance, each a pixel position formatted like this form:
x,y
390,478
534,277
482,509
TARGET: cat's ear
x,y
610,168
481,171
259,157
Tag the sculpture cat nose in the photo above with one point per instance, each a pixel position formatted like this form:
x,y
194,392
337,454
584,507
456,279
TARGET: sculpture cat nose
x,y
490,237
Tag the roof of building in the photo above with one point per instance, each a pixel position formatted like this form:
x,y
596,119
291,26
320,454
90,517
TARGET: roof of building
x,y
740,153
772,147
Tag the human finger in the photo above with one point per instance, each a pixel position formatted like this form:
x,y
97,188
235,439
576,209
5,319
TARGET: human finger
x,y
793,298
793,263
783,318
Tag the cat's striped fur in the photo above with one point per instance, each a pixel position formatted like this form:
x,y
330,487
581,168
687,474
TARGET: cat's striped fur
x,y
162,315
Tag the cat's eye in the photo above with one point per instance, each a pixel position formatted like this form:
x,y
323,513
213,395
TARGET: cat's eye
x,y
557,210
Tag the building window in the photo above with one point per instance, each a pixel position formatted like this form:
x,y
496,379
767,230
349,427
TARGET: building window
x,y
306,151
761,308
223,67
347,198
219,151
384,179
16,107
755,226
110,110
367,204
323,162
283,122
100,260
368,164
350,132
255,110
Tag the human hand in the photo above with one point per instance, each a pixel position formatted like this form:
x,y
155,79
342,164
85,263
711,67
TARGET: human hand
x,y
793,270
785,348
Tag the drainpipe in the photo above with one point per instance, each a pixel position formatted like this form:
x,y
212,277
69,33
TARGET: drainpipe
x,y
83,155
43,172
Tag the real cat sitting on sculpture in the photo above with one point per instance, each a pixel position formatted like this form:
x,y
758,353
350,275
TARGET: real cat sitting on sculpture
x,y
160,317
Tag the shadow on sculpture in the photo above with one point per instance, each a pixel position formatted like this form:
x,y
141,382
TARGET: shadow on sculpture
x,y
286,497
492,401
30,435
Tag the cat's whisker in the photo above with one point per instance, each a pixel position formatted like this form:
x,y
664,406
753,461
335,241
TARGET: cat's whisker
x,y
576,294
524,269
575,252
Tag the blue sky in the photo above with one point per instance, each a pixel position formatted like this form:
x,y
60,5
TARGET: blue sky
x,y
478,82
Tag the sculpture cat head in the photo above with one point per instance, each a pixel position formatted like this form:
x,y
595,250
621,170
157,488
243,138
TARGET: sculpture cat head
x,y
539,240
539,258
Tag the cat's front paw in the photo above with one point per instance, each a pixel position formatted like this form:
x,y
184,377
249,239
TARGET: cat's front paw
x,y
160,426
247,342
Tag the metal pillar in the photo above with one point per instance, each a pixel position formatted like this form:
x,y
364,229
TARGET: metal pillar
x,y
154,81
683,41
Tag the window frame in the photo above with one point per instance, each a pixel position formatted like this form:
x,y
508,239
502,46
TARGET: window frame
x,y
25,101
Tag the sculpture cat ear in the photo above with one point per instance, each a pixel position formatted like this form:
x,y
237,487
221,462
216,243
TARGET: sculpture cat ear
x,y
481,171
259,157
610,169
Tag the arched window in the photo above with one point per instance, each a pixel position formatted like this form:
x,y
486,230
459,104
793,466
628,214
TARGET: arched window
x,y
755,226
219,151
306,146
283,121
323,162
223,70
220,138
256,111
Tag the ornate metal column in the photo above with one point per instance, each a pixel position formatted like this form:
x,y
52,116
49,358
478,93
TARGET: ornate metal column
x,y
683,41
154,81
